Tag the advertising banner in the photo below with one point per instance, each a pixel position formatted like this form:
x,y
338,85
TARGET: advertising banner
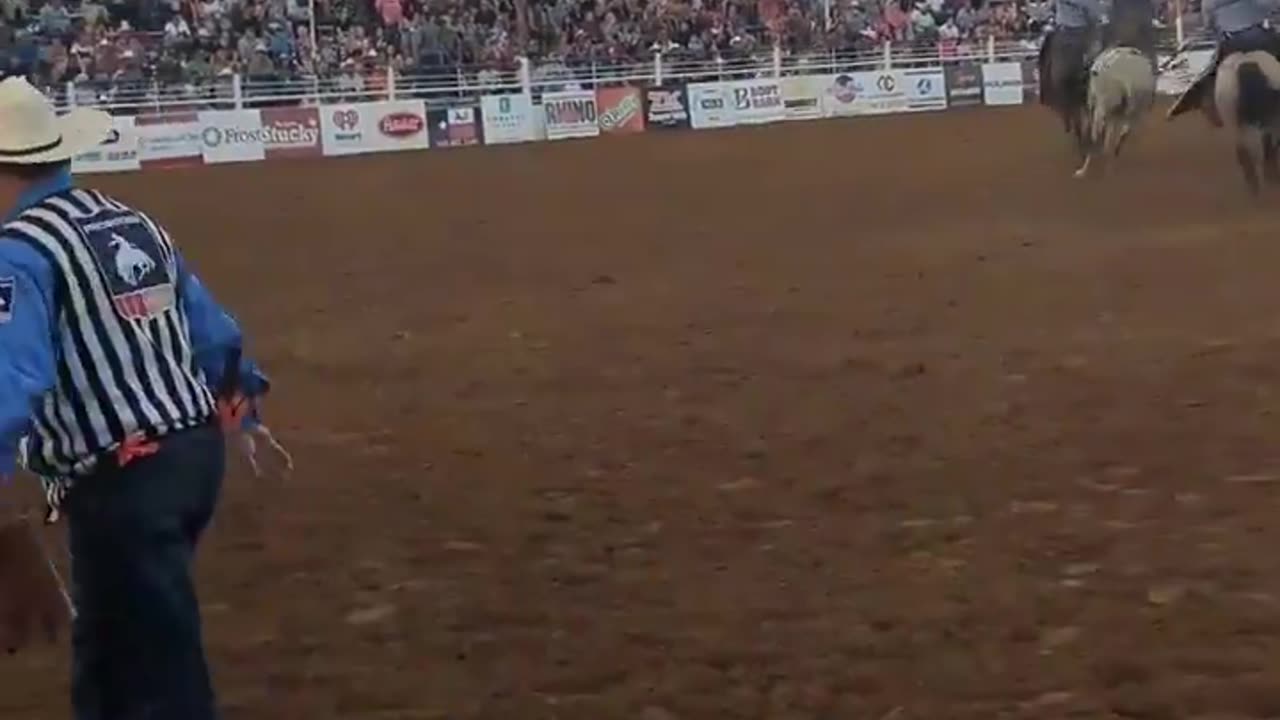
x,y
374,127
118,153
802,96
461,127
231,136
507,119
666,108
1002,83
291,132
1030,82
964,83
865,93
708,107
756,101
570,114
621,110
926,89
168,140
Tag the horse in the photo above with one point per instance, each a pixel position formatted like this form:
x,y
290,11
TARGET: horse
x,y
1063,86
1122,89
132,264
1246,94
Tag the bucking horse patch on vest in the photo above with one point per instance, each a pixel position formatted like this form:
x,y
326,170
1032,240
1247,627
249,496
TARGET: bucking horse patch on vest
x,y
137,276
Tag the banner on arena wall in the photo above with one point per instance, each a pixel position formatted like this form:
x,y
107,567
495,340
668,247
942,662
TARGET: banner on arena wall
x,y
666,108
865,93
452,127
231,136
1030,82
168,140
118,153
507,119
570,114
386,126
926,89
1002,83
802,96
964,83
621,111
756,101
291,132
708,106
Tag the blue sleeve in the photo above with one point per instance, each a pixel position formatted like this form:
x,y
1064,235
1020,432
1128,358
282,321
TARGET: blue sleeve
x,y
214,336
28,360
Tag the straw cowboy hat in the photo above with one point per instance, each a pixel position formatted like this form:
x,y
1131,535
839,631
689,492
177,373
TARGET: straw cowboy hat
x,y
32,133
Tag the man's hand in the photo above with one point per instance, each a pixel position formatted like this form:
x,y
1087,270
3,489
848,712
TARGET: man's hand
x,y
32,602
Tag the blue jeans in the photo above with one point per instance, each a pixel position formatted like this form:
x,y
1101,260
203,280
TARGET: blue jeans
x,y
136,639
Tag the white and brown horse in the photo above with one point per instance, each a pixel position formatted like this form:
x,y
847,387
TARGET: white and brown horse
x,y
1246,94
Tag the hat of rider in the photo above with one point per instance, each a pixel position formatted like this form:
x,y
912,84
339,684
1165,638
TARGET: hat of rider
x,y
33,133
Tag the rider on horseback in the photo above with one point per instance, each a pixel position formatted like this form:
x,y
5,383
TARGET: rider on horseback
x,y
1241,26
1069,47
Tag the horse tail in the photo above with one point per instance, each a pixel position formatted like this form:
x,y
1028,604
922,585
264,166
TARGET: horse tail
x,y
1258,100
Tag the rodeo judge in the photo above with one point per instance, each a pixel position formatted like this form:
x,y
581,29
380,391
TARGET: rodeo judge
x,y
120,374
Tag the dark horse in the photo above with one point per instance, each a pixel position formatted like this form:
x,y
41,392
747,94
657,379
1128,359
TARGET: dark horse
x,y
1067,53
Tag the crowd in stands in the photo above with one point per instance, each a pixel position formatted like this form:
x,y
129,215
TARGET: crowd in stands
x,y
100,44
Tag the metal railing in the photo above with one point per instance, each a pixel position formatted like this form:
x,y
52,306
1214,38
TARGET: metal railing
x,y
460,85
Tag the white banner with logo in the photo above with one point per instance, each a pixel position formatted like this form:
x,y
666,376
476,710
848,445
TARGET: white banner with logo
x,y
755,101
169,139
865,93
118,153
926,89
1002,83
374,127
507,119
802,96
231,136
709,107
570,114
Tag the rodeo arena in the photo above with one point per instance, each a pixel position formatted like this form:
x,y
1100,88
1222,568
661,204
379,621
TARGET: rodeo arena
x,y
709,359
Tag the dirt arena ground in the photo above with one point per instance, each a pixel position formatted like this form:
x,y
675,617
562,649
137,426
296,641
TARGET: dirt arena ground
x,y
883,419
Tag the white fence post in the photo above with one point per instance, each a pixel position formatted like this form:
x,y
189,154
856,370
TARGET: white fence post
x,y
391,82
888,55
237,93
526,76
991,48
777,60
657,68
71,93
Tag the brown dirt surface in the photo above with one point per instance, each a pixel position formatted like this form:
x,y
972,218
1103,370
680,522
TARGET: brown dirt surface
x,y
879,419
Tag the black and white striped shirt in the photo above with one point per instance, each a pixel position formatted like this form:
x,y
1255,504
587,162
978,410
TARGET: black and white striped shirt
x,y
125,362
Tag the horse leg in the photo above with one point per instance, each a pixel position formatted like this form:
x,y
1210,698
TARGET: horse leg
x,y
1125,129
1270,162
1245,159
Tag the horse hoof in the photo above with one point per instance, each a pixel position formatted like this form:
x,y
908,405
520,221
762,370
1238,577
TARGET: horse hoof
x,y
1081,174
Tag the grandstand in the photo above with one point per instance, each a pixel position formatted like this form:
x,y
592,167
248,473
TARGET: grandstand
x,y
125,52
